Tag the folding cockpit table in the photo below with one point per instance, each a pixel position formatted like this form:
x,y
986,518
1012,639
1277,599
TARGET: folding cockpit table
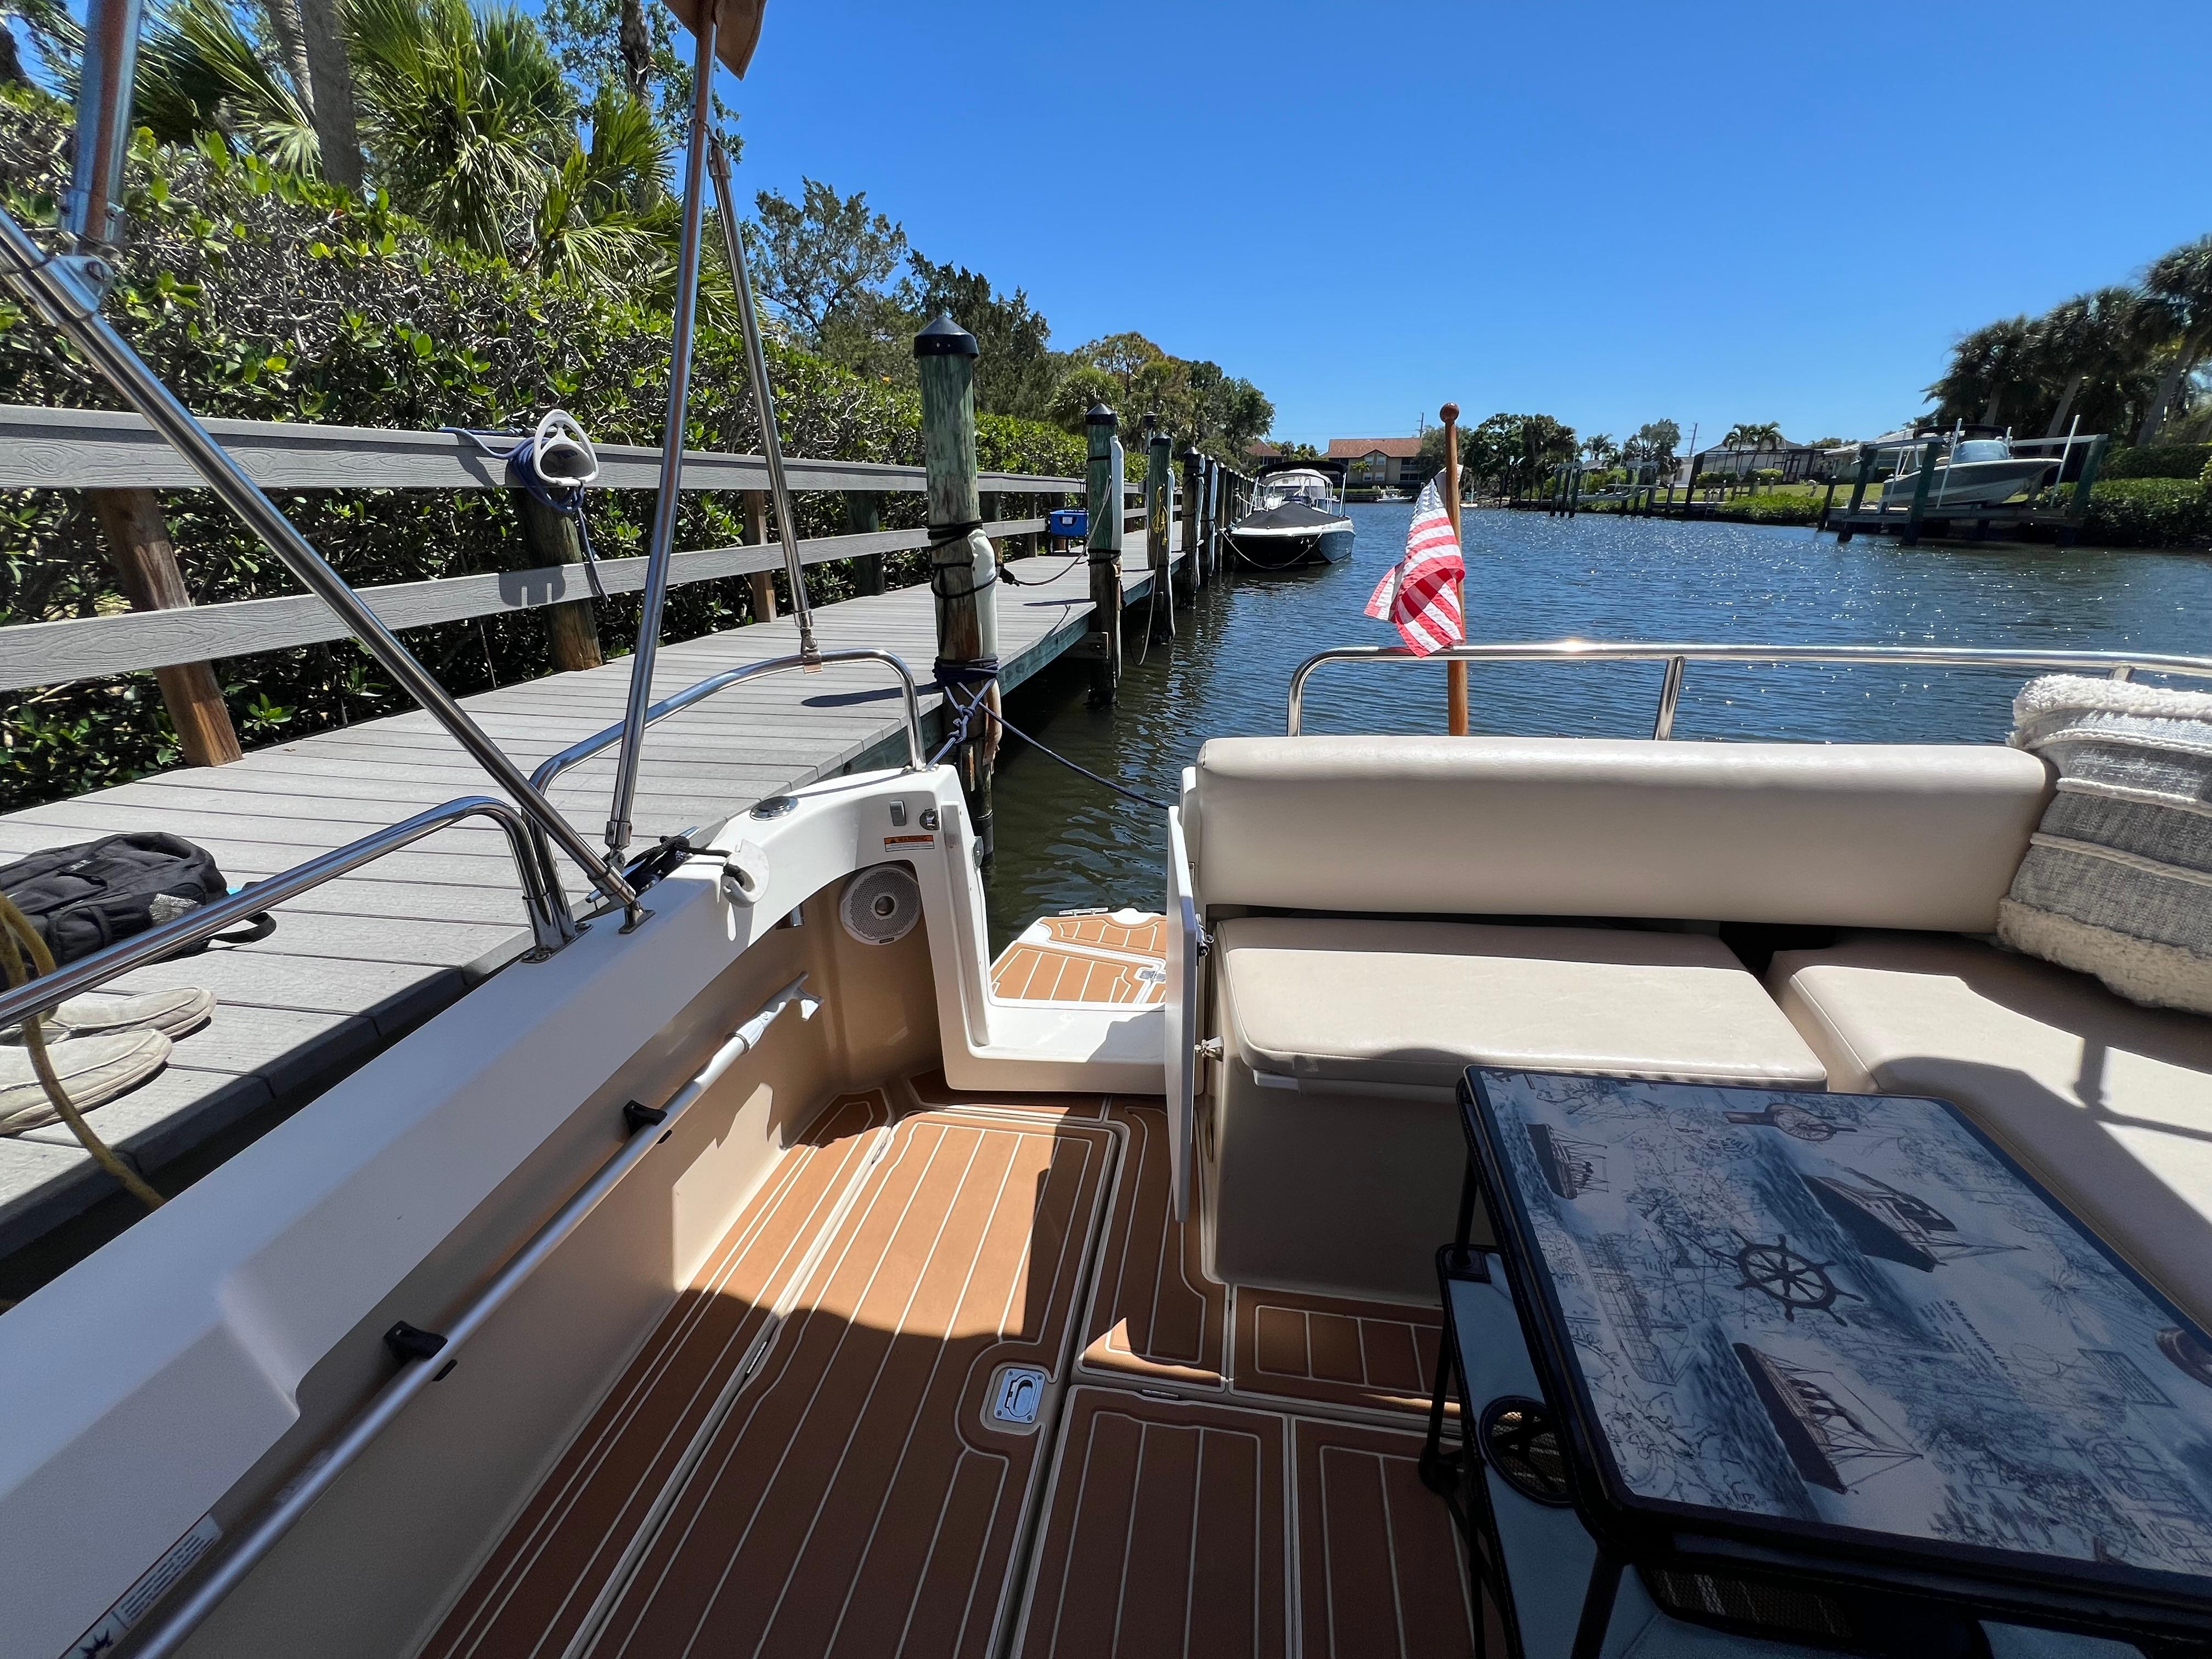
x,y
1759,1371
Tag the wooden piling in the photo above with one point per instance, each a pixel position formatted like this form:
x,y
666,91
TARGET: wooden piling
x,y
1194,472
761,583
1103,492
864,514
551,536
1455,673
1928,453
963,567
145,560
1159,525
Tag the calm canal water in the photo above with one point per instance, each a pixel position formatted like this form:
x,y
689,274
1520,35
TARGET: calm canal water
x,y
1064,843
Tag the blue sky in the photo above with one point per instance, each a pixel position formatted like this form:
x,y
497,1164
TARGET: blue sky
x,y
1607,212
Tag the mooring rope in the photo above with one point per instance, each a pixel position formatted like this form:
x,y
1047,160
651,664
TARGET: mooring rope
x,y
976,702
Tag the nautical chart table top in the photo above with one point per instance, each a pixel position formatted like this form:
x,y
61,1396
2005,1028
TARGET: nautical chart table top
x,y
1831,1316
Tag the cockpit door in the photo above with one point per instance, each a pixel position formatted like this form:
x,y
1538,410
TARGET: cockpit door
x,y
1183,1001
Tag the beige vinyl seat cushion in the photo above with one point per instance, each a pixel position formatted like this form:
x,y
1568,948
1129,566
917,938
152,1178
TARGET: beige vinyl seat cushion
x,y
2108,1103
1415,1003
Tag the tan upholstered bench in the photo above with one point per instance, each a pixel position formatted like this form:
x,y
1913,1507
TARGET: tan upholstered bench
x,y
1337,1143
2109,1104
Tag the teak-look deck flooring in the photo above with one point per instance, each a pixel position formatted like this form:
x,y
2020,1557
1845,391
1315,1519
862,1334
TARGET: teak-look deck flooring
x,y
803,1459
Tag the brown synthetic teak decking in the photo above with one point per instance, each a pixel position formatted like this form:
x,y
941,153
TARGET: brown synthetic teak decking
x,y
1093,957
1187,1530
801,1461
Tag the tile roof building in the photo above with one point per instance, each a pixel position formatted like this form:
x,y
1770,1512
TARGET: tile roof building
x,y
1375,461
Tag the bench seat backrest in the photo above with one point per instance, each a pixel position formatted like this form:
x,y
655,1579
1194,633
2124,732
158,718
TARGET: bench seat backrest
x,y
1912,836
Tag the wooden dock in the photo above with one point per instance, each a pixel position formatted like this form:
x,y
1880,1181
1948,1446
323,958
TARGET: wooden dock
x,y
357,963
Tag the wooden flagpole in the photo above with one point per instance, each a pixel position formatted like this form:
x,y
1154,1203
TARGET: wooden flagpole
x,y
1455,673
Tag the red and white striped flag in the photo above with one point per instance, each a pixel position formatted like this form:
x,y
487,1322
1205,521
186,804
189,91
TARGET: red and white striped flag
x,y
1420,594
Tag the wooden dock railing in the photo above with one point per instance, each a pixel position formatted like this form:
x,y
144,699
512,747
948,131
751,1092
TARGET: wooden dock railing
x,y
122,462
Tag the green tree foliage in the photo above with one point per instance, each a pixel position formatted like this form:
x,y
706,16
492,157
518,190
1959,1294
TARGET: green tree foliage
x,y
1076,391
1753,434
1199,402
2119,358
1654,446
1515,452
2178,287
1015,374
822,260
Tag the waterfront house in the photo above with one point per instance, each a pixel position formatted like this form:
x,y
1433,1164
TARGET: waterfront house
x,y
1376,463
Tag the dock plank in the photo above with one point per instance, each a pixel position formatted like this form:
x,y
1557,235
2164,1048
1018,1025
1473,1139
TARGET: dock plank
x,y
357,963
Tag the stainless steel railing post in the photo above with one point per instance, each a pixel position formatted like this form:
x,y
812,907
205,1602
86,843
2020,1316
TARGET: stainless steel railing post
x,y
550,924
54,288
1670,693
1676,654
91,211
663,546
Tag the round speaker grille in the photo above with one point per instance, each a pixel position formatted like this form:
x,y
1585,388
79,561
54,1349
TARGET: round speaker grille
x,y
881,904
1518,1441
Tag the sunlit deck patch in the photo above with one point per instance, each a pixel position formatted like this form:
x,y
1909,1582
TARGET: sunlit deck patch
x,y
1113,958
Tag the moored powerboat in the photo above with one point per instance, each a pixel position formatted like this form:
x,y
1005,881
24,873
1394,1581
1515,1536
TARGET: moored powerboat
x,y
1296,520
1976,472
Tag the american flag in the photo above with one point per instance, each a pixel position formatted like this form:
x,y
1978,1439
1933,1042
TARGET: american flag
x,y
1420,594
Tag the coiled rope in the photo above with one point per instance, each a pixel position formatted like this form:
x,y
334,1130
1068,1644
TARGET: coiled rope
x,y
18,938
551,466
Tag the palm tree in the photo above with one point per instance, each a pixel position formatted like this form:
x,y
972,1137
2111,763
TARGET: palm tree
x,y
588,227
1984,366
468,118
1601,450
199,71
2179,285
2084,341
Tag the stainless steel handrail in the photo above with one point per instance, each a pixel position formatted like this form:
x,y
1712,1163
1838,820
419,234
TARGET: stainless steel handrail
x,y
550,925
433,1354
56,288
2116,665
551,768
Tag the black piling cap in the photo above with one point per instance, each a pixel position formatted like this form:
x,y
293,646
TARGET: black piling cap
x,y
1099,415
945,339
1192,452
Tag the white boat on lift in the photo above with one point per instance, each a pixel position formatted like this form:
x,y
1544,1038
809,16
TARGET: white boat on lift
x,y
1971,472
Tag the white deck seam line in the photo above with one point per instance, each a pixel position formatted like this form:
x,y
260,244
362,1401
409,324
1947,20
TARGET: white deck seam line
x,y
750,1365
906,1446
738,1550
845,1451
676,1548
733,1249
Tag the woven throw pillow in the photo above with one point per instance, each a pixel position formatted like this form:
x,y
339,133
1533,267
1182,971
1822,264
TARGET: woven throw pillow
x,y
2118,879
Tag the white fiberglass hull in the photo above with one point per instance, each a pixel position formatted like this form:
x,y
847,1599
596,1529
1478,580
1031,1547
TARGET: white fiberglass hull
x,y
1970,484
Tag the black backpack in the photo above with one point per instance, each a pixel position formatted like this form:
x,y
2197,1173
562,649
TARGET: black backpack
x,y
81,897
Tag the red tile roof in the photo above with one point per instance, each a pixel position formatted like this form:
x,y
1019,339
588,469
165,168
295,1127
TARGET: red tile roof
x,y
1351,449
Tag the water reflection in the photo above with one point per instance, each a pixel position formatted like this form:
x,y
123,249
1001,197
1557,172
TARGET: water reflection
x,y
1064,843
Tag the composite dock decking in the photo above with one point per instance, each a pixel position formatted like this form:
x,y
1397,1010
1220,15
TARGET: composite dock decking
x,y
358,962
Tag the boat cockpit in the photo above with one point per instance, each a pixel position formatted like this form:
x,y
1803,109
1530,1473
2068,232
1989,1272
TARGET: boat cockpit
x,y
1517,1195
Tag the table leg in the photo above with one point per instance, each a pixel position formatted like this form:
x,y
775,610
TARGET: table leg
x,y
1467,1191
1597,1607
